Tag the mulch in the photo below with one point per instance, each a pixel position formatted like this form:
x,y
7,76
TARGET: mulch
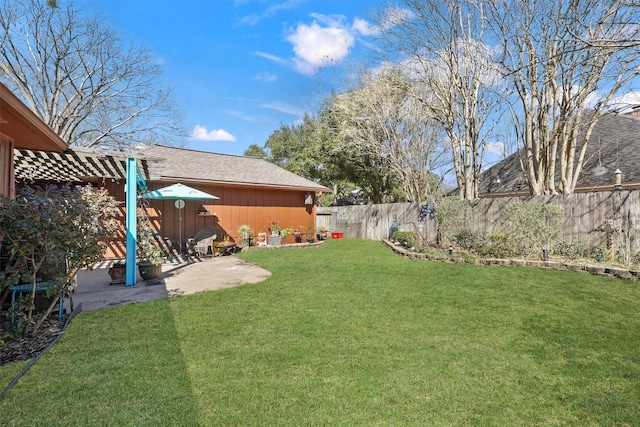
x,y
25,348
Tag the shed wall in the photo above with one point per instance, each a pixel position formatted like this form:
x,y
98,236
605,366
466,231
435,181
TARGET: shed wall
x,y
237,205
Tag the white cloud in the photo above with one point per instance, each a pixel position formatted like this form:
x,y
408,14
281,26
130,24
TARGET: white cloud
x,y
394,16
240,114
285,108
266,77
201,133
272,58
273,9
625,103
495,147
329,20
363,27
316,46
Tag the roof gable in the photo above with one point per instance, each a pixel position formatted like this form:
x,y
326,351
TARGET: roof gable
x,y
176,164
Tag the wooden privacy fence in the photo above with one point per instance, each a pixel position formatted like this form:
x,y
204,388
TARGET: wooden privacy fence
x,y
586,216
373,222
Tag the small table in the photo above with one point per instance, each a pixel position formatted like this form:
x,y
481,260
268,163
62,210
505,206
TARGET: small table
x,y
226,248
26,288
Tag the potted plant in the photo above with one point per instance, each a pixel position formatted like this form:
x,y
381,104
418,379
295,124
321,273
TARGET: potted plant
x,y
245,234
117,272
284,232
149,256
261,239
274,228
275,239
322,233
309,233
297,236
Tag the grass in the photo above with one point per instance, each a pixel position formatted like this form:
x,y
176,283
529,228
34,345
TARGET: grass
x,y
350,334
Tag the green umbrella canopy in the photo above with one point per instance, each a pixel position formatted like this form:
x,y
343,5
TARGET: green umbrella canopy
x,y
178,191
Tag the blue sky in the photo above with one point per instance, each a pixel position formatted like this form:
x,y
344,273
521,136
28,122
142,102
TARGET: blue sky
x,y
241,68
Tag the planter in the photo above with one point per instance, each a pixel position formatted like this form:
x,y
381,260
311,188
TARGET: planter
x,y
149,271
117,275
275,240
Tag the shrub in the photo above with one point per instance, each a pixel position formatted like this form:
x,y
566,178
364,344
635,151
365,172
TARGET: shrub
x,y
468,240
500,245
406,238
54,231
453,216
148,239
570,250
597,253
533,224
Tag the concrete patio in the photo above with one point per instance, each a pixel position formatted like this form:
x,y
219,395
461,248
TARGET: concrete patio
x,y
95,291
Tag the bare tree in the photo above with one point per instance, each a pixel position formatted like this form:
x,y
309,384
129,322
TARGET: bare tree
x,y
565,60
384,121
441,43
81,80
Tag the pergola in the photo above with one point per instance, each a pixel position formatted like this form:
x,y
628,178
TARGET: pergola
x,y
21,128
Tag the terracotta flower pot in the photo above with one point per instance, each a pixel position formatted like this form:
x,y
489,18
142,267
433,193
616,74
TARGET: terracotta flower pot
x,y
117,275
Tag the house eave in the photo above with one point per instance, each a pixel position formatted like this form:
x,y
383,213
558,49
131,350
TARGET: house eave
x,y
629,186
22,126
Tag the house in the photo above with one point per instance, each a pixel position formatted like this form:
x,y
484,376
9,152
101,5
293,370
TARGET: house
x,y
250,191
614,145
20,128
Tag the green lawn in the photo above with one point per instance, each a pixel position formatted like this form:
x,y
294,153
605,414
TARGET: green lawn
x,y
351,334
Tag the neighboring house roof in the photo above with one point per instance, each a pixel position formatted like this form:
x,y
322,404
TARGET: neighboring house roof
x,y
178,164
614,144
22,126
157,163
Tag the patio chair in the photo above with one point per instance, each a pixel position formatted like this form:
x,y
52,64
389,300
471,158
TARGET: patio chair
x,y
202,247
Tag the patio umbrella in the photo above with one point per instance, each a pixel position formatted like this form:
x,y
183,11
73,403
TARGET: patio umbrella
x,y
179,193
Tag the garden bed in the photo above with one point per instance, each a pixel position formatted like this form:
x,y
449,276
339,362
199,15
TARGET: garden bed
x,y
27,347
593,267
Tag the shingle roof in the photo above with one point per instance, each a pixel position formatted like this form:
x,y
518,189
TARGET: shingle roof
x,y
173,164
157,163
614,144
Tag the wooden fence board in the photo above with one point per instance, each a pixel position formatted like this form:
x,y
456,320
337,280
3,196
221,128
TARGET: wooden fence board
x,y
585,214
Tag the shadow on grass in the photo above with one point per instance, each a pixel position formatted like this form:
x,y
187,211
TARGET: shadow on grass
x,y
119,366
352,334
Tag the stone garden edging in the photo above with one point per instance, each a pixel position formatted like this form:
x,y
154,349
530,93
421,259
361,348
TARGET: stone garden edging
x,y
602,270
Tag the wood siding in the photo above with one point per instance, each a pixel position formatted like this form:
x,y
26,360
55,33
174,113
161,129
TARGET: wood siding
x,y
237,205
7,188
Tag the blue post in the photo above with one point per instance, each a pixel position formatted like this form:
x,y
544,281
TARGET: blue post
x,y
131,215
